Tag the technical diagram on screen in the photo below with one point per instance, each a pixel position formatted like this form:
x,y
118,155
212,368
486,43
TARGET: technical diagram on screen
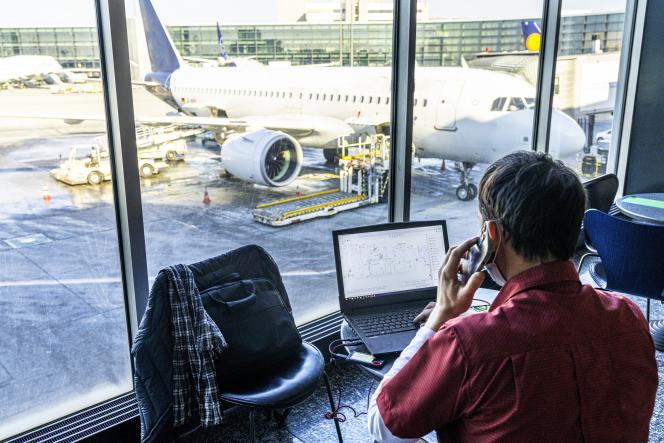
x,y
381,262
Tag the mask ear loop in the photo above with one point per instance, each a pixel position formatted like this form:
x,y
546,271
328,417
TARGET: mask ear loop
x,y
500,241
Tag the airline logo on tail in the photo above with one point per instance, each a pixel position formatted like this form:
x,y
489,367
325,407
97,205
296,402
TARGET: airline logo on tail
x,y
220,39
532,35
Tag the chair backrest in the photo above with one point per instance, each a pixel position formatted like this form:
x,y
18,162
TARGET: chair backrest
x,y
631,253
601,192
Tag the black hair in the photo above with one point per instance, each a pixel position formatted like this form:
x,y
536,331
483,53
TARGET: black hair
x,y
538,201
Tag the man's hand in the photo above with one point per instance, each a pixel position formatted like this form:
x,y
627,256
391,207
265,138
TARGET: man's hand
x,y
454,297
424,315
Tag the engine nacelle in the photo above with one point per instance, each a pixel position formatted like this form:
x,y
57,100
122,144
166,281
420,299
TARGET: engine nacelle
x,y
262,156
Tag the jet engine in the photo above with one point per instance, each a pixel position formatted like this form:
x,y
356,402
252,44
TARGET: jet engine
x,y
262,156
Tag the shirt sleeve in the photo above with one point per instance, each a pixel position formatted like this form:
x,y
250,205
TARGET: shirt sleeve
x,y
429,392
375,423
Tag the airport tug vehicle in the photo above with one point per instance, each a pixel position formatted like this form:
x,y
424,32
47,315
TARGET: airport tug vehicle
x,y
363,178
155,145
91,164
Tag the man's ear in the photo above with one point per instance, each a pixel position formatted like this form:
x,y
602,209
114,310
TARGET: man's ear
x,y
494,232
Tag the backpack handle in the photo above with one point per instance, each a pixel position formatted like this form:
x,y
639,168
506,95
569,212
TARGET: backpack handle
x,y
250,299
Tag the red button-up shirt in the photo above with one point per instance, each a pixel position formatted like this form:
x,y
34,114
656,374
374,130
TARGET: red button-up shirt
x,y
551,361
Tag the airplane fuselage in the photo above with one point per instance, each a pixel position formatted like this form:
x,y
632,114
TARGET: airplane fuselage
x,y
454,115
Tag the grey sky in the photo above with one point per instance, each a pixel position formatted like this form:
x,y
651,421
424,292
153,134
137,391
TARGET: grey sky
x,y
81,12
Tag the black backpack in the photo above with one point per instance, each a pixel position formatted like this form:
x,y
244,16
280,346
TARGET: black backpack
x,y
243,293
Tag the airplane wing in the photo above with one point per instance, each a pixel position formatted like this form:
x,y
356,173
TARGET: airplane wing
x,y
309,130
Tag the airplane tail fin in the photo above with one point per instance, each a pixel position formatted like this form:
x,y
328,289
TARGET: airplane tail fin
x,y
163,56
532,35
222,51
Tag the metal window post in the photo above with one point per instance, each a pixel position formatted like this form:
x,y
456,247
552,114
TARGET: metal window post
x,y
546,74
403,85
119,106
630,58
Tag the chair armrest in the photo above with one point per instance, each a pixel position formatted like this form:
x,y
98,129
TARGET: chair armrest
x,y
586,240
589,254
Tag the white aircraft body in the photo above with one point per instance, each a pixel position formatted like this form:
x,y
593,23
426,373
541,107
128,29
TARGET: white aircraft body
x,y
263,115
461,114
29,67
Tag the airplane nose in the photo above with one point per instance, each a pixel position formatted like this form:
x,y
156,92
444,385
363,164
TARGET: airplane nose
x,y
567,138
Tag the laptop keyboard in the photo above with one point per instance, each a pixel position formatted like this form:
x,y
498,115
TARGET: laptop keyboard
x,y
387,322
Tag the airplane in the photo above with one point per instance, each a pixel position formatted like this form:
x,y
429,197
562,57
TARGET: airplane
x,y
223,59
20,68
532,35
466,115
262,116
460,114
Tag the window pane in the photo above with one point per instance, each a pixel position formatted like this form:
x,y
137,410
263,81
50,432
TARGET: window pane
x,y
474,91
62,315
586,84
222,181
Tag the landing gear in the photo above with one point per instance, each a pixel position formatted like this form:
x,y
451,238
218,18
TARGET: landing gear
x,y
331,155
466,191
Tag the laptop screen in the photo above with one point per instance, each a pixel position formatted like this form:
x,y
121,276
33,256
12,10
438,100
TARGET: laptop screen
x,y
391,259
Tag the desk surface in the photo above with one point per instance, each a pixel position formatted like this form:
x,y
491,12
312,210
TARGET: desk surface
x,y
482,295
644,207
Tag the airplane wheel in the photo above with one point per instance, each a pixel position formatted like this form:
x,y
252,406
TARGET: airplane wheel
x,y
95,178
472,189
463,193
147,170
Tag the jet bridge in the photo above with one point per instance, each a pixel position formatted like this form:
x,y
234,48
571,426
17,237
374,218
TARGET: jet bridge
x,y
363,178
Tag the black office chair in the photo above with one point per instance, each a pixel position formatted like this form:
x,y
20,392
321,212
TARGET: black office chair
x,y
600,192
282,388
283,385
630,254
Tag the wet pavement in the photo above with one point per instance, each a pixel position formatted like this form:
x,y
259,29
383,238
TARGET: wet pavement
x,y
62,317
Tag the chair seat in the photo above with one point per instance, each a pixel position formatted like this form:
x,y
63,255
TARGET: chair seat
x,y
288,385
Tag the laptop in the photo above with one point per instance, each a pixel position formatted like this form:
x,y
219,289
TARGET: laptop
x,y
386,275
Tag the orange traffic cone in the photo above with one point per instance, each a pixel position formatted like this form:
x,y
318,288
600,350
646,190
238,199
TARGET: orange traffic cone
x,y
46,195
206,197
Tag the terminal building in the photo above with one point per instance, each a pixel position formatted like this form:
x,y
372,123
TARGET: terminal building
x,y
350,43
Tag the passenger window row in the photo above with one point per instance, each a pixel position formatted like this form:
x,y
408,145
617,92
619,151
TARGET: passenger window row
x,y
346,98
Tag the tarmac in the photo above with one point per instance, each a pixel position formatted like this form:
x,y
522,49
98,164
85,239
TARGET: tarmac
x,y
62,317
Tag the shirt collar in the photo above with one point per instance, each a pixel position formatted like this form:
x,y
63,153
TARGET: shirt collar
x,y
545,274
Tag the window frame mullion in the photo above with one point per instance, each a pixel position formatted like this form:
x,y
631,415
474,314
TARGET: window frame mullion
x,y
121,132
546,74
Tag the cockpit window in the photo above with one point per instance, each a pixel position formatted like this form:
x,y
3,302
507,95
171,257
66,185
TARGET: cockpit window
x,y
498,104
516,104
530,102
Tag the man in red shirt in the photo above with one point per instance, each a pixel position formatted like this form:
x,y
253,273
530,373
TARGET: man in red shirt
x,y
552,360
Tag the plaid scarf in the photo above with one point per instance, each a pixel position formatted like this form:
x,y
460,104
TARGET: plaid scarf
x,y
197,340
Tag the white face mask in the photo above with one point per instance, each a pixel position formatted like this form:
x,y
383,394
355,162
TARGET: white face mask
x,y
492,268
495,274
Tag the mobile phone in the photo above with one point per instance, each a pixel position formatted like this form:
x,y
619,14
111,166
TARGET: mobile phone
x,y
478,256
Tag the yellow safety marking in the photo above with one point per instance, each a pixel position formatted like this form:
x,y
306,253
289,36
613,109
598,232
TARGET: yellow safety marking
x,y
315,208
292,199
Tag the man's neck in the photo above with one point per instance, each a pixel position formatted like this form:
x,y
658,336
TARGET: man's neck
x,y
513,264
